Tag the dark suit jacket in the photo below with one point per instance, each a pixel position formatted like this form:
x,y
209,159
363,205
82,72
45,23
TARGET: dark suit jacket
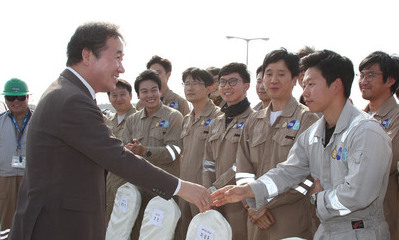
x,y
62,195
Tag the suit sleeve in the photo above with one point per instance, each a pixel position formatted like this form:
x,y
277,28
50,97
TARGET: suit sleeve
x,y
82,127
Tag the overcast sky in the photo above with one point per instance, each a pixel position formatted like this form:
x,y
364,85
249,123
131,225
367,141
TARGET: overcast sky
x,y
191,34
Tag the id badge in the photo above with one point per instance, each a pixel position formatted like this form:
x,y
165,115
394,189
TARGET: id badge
x,y
18,161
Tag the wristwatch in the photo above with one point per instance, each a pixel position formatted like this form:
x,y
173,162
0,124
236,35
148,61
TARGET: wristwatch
x,y
148,153
313,199
212,189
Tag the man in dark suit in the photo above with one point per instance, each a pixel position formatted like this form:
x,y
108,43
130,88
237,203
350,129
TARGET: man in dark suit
x,y
62,195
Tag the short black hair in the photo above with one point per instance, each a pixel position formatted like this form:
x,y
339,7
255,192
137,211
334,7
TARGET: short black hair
x,y
259,69
306,50
290,59
235,67
166,64
123,84
199,75
93,36
389,66
332,66
147,75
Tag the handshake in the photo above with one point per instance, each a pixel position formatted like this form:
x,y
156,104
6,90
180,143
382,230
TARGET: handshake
x,y
201,197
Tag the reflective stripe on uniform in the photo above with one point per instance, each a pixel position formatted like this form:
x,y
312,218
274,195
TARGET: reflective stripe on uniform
x,y
301,190
208,166
178,150
308,183
270,185
234,167
244,178
336,204
171,152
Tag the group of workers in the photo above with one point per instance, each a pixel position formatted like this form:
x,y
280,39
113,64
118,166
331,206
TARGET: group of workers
x,y
312,168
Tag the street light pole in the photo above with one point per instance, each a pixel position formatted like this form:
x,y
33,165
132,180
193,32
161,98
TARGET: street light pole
x,y
247,40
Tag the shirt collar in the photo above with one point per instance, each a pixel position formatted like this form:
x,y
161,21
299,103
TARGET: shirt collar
x,y
384,109
91,90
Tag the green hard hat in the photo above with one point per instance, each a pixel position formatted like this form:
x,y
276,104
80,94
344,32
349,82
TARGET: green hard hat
x,y
15,87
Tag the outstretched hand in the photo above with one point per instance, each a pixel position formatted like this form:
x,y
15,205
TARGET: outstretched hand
x,y
195,194
231,194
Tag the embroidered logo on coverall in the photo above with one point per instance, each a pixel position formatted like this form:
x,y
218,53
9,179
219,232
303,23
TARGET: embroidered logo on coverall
x,y
174,105
163,123
334,153
207,122
342,154
386,123
239,126
294,124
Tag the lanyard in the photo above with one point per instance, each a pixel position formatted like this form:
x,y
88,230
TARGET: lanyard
x,y
20,131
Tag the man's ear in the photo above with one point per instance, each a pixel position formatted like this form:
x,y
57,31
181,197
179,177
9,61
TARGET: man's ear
x,y
390,81
86,56
338,85
168,75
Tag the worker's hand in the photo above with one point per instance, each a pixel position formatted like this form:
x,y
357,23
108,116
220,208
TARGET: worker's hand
x,y
316,186
262,217
231,194
195,194
137,148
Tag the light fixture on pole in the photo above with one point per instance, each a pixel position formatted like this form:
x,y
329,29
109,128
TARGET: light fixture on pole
x,y
247,40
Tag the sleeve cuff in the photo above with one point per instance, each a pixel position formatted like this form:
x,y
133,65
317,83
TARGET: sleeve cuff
x,y
260,192
178,187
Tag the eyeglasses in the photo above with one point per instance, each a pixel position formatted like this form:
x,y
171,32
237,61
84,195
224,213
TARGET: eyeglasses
x,y
232,82
368,76
194,84
12,98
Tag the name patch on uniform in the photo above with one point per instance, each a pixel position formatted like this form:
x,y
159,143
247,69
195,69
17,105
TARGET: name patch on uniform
x,y
206,132
237,135
357,224
385,123
174,105
290,137
163,123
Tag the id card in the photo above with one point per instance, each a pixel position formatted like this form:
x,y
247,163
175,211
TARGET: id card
x,y
18,161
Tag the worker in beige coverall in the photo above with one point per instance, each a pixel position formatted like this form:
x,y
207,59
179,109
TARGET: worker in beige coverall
x,y
171,99
378,81
154,133
197,84
261,91
266,140
221,146
120,100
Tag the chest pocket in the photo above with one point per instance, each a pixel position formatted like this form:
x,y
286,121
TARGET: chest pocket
x,y
215,137
285,137
157,133
257,138
202,132
233,136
